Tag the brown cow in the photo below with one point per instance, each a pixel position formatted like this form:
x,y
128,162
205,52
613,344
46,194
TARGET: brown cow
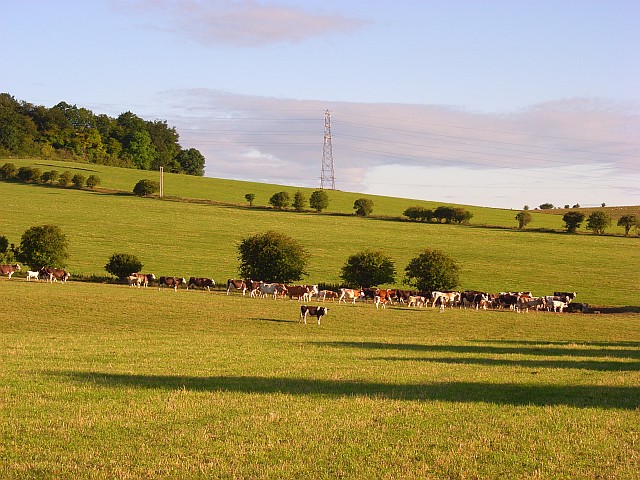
x,y
302,292
54,274
9,269
233,284
174,282
351,294
201,282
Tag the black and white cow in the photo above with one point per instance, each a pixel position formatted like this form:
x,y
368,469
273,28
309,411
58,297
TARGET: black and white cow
x,y
318,312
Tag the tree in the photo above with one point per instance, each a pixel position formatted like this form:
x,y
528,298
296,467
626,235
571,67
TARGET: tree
x,y
363,207
573,220
43,246
250,197
432,270
526,207
50,176
368,269
272,257
420,214
280,200
459,215
122,265
191,161
547,206
598,222
29,174
146,187
319,200
78,180
628,221
299,201
92,181
523,218
64,180
443,213
8,171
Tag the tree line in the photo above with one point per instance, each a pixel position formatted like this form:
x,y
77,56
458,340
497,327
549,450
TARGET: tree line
x,y
66,132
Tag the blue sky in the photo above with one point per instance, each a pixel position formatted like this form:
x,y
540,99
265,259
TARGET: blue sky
x,y
494,103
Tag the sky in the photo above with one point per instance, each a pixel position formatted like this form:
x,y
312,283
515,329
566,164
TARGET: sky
x,y
477,102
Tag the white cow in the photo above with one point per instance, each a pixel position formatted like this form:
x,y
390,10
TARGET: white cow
x,y
32,275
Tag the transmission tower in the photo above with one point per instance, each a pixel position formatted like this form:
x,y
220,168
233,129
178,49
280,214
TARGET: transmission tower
x,y
327,178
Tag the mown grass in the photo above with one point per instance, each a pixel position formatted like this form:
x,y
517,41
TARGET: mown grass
x,y
112,382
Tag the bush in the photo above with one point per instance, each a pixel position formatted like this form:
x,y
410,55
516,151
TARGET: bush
x,y
547,206
29,174
8,171
432,270
598,222
43,246
146,187
628,221
319,200
250,197
299,201
280,200
122,265
523,218
78,180
65,179
272,257
420,214
50,176
92,181
368,269
573,220
363,207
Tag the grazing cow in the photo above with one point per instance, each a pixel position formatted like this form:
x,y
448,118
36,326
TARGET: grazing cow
x,y
133,281
525,303
201,282
369,293
474,299
416,301
144,279
445,298
273,289
351,294
54,274
233,284
301,292
9,269
558,306
174,282
32,275
566,297
327,294
319,312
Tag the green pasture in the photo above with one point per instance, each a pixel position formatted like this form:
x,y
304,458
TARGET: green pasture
x,y
107,381
186,239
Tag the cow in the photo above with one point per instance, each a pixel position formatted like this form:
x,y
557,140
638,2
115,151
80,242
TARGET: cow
x,y
233,284
369,293
417,301
201,282
327,294
445,298
566,297
144,279
319,312
273,289
9,269
32,275
403,295
386,296
54,274
578,307
525,303
474,299
174,282
302,292
378,300
557,306
133,281
254,287
351,294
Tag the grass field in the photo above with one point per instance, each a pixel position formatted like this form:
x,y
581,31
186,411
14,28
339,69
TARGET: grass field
x,y
105,381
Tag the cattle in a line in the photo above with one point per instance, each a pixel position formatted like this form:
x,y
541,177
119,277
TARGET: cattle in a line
x,y
318,312
368,293
350,294
9,269
174,282
327,295
54,274
201,282
233,284
302,292
32,275
144,279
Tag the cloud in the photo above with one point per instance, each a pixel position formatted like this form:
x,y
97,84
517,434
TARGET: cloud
x,y
572,151
245,23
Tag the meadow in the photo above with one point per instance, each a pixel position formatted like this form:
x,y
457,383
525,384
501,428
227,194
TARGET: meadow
x,y
106,381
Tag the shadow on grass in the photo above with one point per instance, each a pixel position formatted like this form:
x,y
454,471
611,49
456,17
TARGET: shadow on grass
x,y
581,396
493,362
538,350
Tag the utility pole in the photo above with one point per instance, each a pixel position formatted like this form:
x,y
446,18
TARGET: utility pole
x,y
161,182
327,177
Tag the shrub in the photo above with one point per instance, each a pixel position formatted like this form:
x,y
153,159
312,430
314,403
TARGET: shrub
x,y
363,207
418,213
547,206
65,179
8,171
43,246
319,200
78,180
122,265
272,257
146,187
50,176
598,222
628,221
280,200
29,174
299,201
92,181
432,270
250,197
573,220
523,218
368,268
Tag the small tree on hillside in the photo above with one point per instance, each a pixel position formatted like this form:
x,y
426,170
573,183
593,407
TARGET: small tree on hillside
x,y
319,200
628,221
50,176
432,270
573,220
250,197
363,207
299,201
272,257
64,180
368,269
43,246
280,200
460,215
8,171
547,206
122,265
92,181
78,180
598,222
523,218
146,187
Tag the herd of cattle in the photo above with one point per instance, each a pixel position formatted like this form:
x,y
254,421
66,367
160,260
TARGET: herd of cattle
x,y
518,301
